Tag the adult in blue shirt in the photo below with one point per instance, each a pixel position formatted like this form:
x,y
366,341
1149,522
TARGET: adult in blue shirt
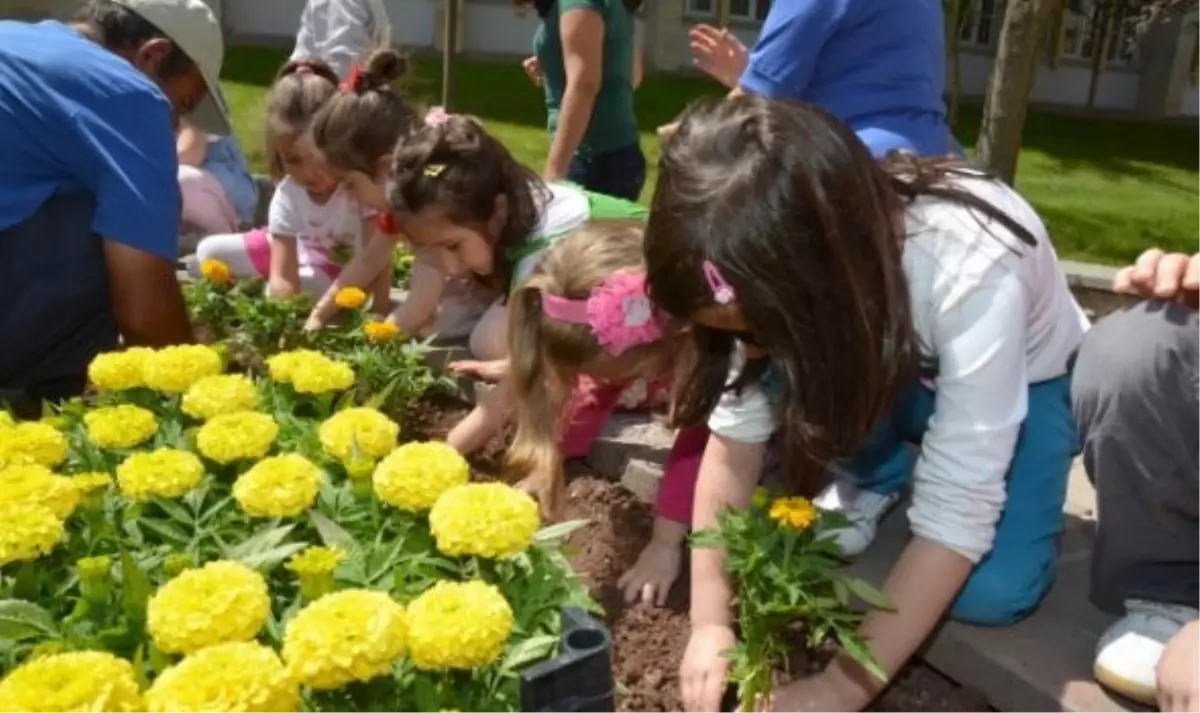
x,y
878,65
89,203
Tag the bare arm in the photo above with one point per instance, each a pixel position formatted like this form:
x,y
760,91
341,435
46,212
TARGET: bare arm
x,y
490,415
146,300
728,475
420,306
375,257
639,63
582,32
284,280
191,145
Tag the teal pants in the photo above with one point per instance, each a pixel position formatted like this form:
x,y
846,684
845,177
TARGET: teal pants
x,y
1008,582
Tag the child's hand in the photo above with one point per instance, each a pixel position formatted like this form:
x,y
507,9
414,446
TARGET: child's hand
x,y
489,371
702,673
657,567
280,289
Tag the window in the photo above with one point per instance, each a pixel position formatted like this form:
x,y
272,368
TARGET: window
x,y
1082,35
746,10
979,23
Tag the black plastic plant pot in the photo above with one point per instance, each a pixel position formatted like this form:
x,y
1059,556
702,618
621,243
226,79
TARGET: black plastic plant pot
x,y
580,678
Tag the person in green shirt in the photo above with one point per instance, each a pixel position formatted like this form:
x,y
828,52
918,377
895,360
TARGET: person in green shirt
x,y
588,61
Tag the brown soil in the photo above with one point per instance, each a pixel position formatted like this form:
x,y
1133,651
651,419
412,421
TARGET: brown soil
x,y
648,642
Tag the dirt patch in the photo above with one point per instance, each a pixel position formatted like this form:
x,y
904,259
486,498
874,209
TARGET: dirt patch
x,y
648,642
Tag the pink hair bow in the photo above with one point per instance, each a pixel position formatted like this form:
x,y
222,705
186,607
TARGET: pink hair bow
x,y
619,313
436,116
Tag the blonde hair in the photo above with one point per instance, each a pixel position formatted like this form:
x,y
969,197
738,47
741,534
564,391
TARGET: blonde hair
x,y
363,123
300,89
545,353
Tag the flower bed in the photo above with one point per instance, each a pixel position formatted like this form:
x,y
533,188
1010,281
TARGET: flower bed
x,y
191,539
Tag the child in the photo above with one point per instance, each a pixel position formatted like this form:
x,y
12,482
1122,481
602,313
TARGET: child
x,y
477,219
341,32
580,331
821,286
219,194
317,233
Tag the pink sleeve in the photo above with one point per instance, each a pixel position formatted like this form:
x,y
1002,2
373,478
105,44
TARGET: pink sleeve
x,y
592,403
678,486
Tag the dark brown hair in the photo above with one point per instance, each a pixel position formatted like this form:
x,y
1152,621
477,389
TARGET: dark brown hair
x,y
472,170
366,118
808,230
300,89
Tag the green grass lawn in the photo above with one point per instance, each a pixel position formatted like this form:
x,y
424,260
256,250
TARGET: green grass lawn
x,y
1106,188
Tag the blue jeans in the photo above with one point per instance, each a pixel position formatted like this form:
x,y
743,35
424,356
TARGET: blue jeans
x,y
1009,581
55,312
620,173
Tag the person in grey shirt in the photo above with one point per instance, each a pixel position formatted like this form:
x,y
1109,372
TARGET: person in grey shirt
x,y
1135,396
341,32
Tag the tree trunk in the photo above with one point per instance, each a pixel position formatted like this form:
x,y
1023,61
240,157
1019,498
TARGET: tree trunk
x,y
1011,81
1103,20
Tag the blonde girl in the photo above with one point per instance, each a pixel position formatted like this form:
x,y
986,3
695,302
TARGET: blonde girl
x,y
316,230
581,329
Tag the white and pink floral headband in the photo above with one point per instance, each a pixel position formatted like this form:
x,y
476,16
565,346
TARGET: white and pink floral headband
x,y
619,313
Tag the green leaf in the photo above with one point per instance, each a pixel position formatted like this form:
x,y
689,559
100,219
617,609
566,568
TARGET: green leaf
x,y
332,533
135,588
872,596
264,540
168,531
858,650
176,511
527,652
269,559
558,532
21,620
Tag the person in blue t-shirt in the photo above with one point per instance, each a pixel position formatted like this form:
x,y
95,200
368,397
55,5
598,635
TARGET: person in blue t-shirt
x,y
89,203
878,65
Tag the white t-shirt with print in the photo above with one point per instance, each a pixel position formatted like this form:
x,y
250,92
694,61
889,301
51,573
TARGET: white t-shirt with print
x,y
565,209
993,314
328,234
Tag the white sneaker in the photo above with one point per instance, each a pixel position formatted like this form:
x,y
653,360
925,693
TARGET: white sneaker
x,y
863,508
1128,651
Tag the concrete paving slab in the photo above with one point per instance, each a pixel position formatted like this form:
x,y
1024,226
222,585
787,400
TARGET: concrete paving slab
x,y
1042,663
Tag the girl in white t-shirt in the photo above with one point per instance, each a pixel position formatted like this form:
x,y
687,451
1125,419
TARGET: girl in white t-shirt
x,y
851,310
316,229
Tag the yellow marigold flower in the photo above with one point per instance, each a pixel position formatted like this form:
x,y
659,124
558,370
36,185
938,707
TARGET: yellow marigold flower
x,y
216,271
794,513
123,426
350,298
379,332
314,568
72,681
459,625
281,366
119,371
215,395
164,473
346,636
32,442
357,432
6,419
90,483
175,369
360,469
237,436
93,568
415,475
320,377
238,677
484,519
281,486
219,602
36,485
29,531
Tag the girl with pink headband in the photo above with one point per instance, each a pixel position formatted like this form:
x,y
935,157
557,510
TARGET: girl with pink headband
x,y
582,329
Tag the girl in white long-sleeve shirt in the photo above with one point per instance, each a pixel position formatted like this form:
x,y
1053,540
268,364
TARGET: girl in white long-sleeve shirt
x,y
342,32
852,309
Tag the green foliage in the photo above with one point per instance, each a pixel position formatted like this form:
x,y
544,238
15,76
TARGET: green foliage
x,y
788,584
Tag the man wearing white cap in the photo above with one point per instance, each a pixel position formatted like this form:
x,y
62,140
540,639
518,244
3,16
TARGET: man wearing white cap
x,y
89,203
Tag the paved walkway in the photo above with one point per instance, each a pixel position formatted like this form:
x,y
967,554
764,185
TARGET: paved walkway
x,y
1041,664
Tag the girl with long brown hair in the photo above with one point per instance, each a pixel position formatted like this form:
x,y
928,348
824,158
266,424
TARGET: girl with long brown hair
x,y
850,309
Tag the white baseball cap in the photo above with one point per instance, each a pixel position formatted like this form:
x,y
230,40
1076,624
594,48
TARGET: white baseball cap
x,y
191,25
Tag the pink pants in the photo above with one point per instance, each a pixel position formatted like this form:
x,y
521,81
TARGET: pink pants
x,y
593,402
206,208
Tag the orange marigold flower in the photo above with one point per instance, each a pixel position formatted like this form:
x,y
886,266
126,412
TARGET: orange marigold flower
x,y
380,332
350,298
216,271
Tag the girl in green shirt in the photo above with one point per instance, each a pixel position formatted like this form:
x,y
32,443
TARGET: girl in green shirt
x,y
588,61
